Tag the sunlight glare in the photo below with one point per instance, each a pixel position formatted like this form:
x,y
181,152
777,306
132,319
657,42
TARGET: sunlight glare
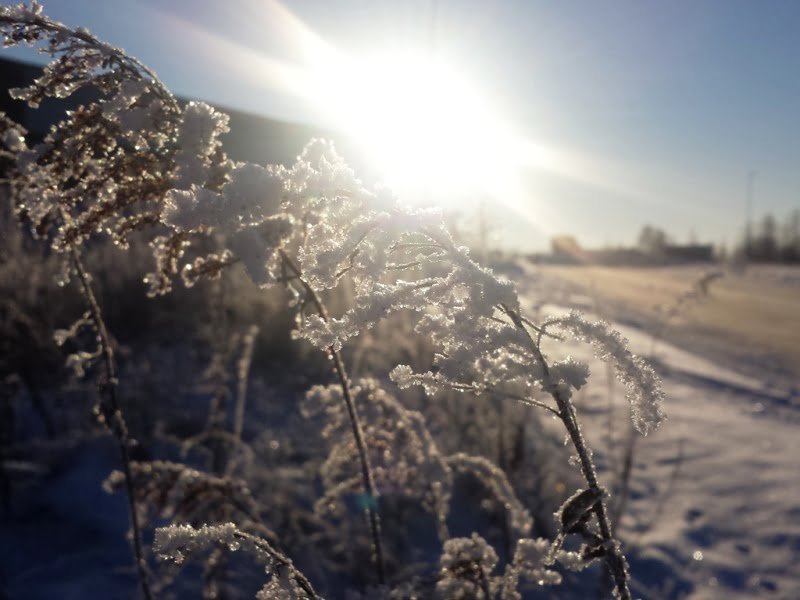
x,y
420,123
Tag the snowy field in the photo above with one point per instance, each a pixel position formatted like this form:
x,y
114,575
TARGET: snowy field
x,y
714,498
714,509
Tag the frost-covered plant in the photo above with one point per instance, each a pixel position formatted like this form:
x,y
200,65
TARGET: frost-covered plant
x,y
270,219
404,458
312,228
182,495
406,462
467,566
285,581
108,165
175,491
226,449
104,168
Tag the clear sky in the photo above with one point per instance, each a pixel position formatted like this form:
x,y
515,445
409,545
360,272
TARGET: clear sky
x,y
634,111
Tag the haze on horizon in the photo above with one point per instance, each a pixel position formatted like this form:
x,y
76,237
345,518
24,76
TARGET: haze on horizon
x,y
592,119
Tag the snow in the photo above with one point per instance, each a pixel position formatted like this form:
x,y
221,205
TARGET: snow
x,y
714,508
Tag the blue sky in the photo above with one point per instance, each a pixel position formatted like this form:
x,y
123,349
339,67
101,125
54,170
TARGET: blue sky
x,y
658,110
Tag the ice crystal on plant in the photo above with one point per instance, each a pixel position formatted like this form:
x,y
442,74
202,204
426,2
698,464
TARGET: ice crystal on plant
x,y
572,561
193,210
175,542
175,491
21,11
466,564
178,540
643,385
253,194
80,361
61,336
198,140
13,140
570,371
281,587
256,247
528,564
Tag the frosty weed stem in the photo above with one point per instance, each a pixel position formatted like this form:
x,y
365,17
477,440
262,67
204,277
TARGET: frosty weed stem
x,y
371,504
112,413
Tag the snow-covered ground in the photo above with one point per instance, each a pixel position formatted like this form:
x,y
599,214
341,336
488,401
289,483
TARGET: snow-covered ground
x,y
714,509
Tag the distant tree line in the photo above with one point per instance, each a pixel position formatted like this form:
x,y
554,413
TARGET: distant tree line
x,y
653,240
772,241
767,240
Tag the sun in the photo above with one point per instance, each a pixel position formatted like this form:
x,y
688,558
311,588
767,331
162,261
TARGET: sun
x,y
425,128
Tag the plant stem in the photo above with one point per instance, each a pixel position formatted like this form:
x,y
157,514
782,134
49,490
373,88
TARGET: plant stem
x,y
614,558
281,560
243,368
358,433
113,415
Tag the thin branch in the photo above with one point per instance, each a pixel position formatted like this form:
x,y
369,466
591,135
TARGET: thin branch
x,y
403,266
542,331
113,413
243,369
406,245
366,471
464,387
531,402
281,560
614,559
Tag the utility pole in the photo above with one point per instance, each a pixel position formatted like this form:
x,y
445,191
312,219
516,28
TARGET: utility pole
x,y
748,224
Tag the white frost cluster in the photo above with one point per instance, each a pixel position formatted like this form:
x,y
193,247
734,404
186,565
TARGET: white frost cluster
x,y
198,138
13,140
177,542
132,108
22,11
528,564
643,385
281,587
251,195
315,208
466,564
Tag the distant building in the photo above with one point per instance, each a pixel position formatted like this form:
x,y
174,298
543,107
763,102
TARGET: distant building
x,y
565,249
689,253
